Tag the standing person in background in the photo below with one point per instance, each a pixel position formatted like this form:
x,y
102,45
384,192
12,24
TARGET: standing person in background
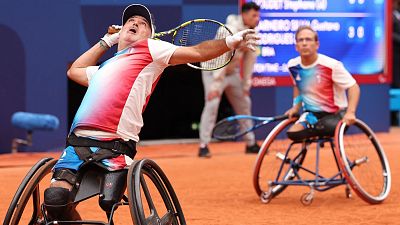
x,y
228,80
320,85
396,44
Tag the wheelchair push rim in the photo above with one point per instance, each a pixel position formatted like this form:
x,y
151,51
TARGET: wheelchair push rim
x,y
29,188
363,161
138,187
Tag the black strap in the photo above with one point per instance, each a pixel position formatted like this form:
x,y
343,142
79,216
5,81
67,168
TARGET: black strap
x,y
116,146
86,155
66,175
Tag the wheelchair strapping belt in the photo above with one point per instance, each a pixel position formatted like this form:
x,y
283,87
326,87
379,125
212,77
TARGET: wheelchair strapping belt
x,y
108,149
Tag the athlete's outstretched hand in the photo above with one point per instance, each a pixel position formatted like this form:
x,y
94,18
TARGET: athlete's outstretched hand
x,y
245,38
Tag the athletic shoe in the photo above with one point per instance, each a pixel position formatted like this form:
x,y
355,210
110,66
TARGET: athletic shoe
x,y
253,149
204,152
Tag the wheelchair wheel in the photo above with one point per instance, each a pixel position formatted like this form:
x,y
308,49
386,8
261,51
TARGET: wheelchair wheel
x,y
161,205
270,159
363,161
25,205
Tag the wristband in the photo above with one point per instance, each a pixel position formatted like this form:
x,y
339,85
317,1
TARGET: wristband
x,y
103,45
297,100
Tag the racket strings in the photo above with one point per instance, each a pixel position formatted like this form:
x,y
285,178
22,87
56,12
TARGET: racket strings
x,y
183,40
199,31
232,129
221,33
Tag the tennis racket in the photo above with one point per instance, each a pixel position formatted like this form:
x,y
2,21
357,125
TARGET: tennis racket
x,y
233,127
194,32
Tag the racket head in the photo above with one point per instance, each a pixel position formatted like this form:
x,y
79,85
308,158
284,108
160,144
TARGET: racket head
x,y
231,128
194,32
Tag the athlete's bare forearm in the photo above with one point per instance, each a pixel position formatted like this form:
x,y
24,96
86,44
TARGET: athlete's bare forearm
x,y
77,71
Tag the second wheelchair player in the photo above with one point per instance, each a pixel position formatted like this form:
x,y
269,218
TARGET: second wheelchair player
x,y
320,85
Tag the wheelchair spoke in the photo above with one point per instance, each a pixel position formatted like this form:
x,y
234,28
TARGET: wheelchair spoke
x,y
155,219
148,196
152,219
167,218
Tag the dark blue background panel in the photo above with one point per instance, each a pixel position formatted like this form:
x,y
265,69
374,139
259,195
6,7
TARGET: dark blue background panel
x,y
46,33
12,90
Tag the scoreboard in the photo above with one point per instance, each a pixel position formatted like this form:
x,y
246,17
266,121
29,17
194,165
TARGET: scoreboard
x,y
355,32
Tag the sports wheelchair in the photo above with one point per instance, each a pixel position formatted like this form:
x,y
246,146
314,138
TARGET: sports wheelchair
x,y
358,162
150,196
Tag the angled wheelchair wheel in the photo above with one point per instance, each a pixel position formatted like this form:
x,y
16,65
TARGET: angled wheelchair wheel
x,y
152,200
25,205
270,159
363,161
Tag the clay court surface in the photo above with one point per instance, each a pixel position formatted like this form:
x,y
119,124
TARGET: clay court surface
x,y
219,191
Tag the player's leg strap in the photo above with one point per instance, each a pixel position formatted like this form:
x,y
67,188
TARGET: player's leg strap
x,y
116,146
65,175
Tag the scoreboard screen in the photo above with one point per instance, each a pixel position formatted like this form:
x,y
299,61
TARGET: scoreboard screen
x,y
354,32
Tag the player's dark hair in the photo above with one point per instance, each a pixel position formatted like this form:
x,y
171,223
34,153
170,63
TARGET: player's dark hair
x,y
249,6
306,28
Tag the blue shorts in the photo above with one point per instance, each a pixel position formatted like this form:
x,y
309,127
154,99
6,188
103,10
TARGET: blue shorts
x,y
70,160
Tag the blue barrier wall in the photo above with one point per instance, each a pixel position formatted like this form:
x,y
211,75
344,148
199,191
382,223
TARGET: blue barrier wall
x,y
39,39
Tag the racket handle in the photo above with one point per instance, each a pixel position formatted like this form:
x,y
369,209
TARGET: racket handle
x,y
282,117
113,30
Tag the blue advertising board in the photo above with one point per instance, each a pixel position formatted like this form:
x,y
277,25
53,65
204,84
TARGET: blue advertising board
x,y
352,31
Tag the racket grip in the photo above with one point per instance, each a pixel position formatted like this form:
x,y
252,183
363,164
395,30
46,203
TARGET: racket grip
x,y
113,30
282,117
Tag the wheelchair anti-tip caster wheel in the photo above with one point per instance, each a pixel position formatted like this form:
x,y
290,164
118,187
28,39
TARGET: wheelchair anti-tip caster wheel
x,y
266,197
306,199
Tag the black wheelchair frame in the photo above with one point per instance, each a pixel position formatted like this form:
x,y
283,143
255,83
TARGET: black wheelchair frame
x,y
88,186
358,167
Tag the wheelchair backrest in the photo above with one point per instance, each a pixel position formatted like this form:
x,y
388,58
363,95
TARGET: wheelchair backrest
x,y
90,181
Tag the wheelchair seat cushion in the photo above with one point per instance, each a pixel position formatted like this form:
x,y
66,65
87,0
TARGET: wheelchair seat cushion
x,y
326,125
321,124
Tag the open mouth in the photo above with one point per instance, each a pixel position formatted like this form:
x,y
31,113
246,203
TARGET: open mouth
x,y
133,30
